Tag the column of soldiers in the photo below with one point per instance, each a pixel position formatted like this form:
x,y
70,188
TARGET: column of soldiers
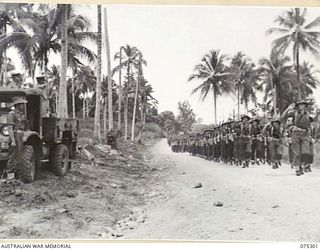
x,y
254,141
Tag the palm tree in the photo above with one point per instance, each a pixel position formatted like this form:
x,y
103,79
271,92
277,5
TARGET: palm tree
x,y
120,88
308,78
136,97
97,128
245,78
131,63
278,81
45,35
147,103
62,101
51,90
214,77
85,82
295,31
6,18
110,107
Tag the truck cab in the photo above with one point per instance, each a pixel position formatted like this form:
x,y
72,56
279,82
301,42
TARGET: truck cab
x,y
46,138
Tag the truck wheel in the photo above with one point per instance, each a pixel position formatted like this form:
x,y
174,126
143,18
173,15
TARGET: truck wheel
x,y
28,165
60,160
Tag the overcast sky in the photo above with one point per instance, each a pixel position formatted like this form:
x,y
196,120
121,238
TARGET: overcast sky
x,y
173,40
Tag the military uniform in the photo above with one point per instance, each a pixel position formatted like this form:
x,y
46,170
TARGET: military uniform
x,y
237,142
287,136
18,122
275,144
245,143
217,147
257,149
300,136
210,146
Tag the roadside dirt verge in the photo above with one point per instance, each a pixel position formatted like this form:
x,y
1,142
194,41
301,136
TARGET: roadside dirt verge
x,y
97,199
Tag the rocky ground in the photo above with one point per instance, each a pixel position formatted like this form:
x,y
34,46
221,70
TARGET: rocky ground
x,y
99,198
214,201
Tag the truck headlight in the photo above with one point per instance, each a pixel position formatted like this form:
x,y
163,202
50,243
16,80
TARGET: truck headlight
x,y
5,130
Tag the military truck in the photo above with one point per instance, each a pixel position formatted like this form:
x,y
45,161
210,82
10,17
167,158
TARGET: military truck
x,y
47,139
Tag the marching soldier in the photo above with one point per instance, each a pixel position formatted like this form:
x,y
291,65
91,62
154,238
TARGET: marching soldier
x,y
300,133
309,160
266,139
224,142
287,136
275,143
237,142
257,150
245,143
217,144
210,145
230,155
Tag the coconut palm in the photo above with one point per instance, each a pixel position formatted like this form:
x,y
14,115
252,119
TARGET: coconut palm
x,y
85,82
97,128
139,79
131,63
7,11
110,104
45,36
308,78
278,81
62,101
295,31
214,77
245,77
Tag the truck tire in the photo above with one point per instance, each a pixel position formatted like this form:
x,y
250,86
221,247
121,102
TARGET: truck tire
x,y
59,159
28,164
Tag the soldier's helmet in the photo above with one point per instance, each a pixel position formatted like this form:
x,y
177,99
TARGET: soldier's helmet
x,y
17,100
306,102
275,120
255,119
245,117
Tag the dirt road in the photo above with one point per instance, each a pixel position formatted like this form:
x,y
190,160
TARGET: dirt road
x,y
259,203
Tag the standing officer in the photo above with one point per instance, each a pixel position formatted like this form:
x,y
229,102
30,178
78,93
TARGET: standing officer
x,y
16,124
300,133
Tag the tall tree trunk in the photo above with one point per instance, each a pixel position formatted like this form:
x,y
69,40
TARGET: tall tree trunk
x,y
73,95
5,73
136,99
97,126
275,100
298,75
87,107
105,118
238,102
110,107
126,103
83,108
45,67
120,92
215,106
126,117
273,89
62,102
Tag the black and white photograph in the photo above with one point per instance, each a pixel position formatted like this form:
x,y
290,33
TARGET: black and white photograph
x,y
159,122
